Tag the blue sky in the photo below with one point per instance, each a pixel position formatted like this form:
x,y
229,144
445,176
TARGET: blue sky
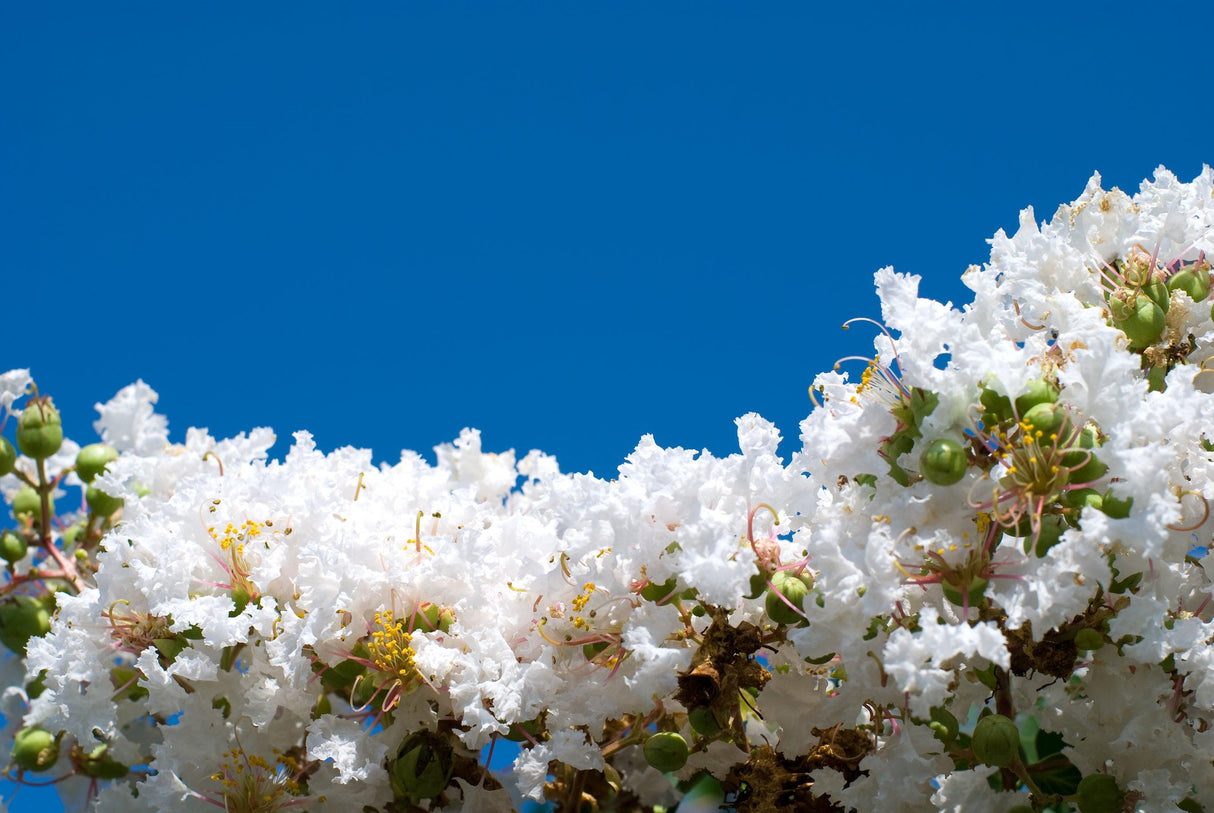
x,y
565,224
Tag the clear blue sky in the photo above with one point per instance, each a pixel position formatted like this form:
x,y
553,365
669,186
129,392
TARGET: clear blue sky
x,y
566,224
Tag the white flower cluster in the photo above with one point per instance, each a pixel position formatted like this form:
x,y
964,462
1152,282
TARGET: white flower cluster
x,y
978,586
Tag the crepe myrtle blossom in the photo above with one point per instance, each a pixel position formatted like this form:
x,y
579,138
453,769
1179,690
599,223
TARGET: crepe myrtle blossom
x,y
979,583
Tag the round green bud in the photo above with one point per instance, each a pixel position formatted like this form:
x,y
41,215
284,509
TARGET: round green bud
x,y
943,462
1088,639
101,503
13,547
93,459
974,594
1193,280
1142,320
21,618
792,588
1098,793
996,741
704,721
1048,419
40,430
666,751
27,503
423,767
35,749
8,457
1157,291
1037,391
658,592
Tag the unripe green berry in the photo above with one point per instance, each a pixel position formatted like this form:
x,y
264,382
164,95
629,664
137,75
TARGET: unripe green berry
x,y
1098,793
1193,280
792,588
13,547
27,503
21,618
40,430
666,751
93,459
1048,419
943,462
1088,639
100,503
1037,391
704,721
35,749
8,457
996,741
1142,320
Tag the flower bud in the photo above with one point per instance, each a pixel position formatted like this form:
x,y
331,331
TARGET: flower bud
x,y
27,503
666,751
1037,391
704,721
1194,280
8,457
1098,793
21,618
35,749
422,768
100,503
1141,319
1048,419
996,741
40,430
943,462
94,459
13,547
794,589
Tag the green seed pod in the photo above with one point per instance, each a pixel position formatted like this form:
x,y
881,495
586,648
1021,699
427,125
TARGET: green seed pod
x,y
422,768
8,457
1157,291
943,462
1098,793
13,547
100,503
27,503
1142,321
658,592
1048,419
1036,391
1088,639
666,751
1194,280
94,459
793,588
21,618
996,741
40,430
35,749
704,721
